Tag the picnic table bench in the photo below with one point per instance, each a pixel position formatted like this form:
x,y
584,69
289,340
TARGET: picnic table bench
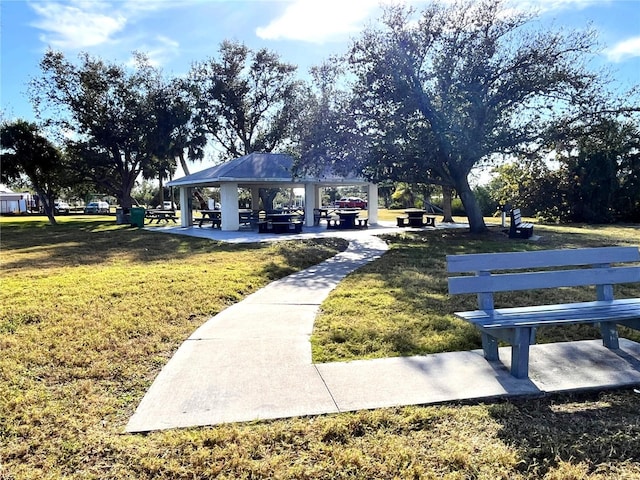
x,y
562,268
214,221
269,226
518,228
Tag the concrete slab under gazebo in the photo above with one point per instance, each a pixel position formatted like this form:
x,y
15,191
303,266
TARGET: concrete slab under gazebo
x,y
263,170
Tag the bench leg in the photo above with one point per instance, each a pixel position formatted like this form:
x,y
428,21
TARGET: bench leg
x,y
609,332
520,352
490,347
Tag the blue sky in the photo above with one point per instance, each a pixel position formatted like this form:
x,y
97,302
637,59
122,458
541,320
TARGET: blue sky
x,y
175,33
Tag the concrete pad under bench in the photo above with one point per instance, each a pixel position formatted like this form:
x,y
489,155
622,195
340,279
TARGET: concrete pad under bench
x,y
206,386
454,376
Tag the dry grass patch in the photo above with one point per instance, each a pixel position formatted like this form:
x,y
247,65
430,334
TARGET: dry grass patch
x,y
90,312
399,305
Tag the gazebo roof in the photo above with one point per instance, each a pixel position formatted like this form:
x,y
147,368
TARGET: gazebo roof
x,y
259,169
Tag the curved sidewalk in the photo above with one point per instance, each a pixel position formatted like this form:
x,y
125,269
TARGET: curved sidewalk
x,y
252,361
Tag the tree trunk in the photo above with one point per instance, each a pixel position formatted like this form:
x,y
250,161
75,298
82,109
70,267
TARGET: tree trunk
x,y
268,195
471,206
447,196
196,192
47,205
128,182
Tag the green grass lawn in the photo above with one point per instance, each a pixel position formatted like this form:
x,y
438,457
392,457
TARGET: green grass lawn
x,y
91,311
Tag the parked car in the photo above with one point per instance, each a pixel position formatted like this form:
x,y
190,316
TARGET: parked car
x,y
61,208
167,205
97,207
351,202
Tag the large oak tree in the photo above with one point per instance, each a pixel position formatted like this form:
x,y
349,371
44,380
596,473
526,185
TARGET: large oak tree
x,y
437,94
117,117
247,101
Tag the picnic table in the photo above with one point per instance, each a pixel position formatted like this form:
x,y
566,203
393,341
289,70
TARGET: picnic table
x,y
415,218
280,223
214,217
347,219
322,213
161,216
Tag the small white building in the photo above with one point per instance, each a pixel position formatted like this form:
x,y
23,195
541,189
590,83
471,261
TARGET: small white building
x,y
15,203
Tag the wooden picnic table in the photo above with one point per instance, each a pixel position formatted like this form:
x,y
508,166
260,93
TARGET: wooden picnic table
x,y
161,216
210,216
281,223
415,218
346,219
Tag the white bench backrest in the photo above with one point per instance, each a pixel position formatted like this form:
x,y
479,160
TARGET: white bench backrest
x,y
485,282
480,262
516,216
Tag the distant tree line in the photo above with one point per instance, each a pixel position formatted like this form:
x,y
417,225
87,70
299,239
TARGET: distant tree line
x,y
596,179
421,98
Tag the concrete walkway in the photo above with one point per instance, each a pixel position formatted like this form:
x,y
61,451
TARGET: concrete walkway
x,y
252,361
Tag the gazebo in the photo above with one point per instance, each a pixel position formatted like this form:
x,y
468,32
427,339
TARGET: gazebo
x,y
263,170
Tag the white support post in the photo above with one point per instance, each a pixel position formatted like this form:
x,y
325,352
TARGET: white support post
x,y
186,207
229,200
372,203
310,203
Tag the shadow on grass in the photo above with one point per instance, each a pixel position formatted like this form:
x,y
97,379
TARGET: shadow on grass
x,y
596,429
90,241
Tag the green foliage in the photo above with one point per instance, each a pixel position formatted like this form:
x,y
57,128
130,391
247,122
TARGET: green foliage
x,y
123,119
25,152
436,92
488,205
403,196
248,101
527,184
145,193
601,181
597,181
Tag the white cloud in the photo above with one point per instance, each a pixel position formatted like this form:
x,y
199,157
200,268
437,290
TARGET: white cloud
x,y
92,25
79,25
625,49
319,21
543,6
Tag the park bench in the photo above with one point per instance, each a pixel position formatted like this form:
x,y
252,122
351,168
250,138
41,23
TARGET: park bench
x,y
516,326
517,228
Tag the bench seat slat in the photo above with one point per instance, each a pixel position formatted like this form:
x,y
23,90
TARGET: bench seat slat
x,y
538,259
537,280
559,314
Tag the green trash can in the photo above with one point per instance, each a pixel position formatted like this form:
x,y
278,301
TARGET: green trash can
x,y
137,217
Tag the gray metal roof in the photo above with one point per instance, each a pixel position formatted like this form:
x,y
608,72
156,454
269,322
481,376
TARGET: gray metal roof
x,y
259,168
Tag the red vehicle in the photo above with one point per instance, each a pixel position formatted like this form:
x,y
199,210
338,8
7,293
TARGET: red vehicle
x,y
351,202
